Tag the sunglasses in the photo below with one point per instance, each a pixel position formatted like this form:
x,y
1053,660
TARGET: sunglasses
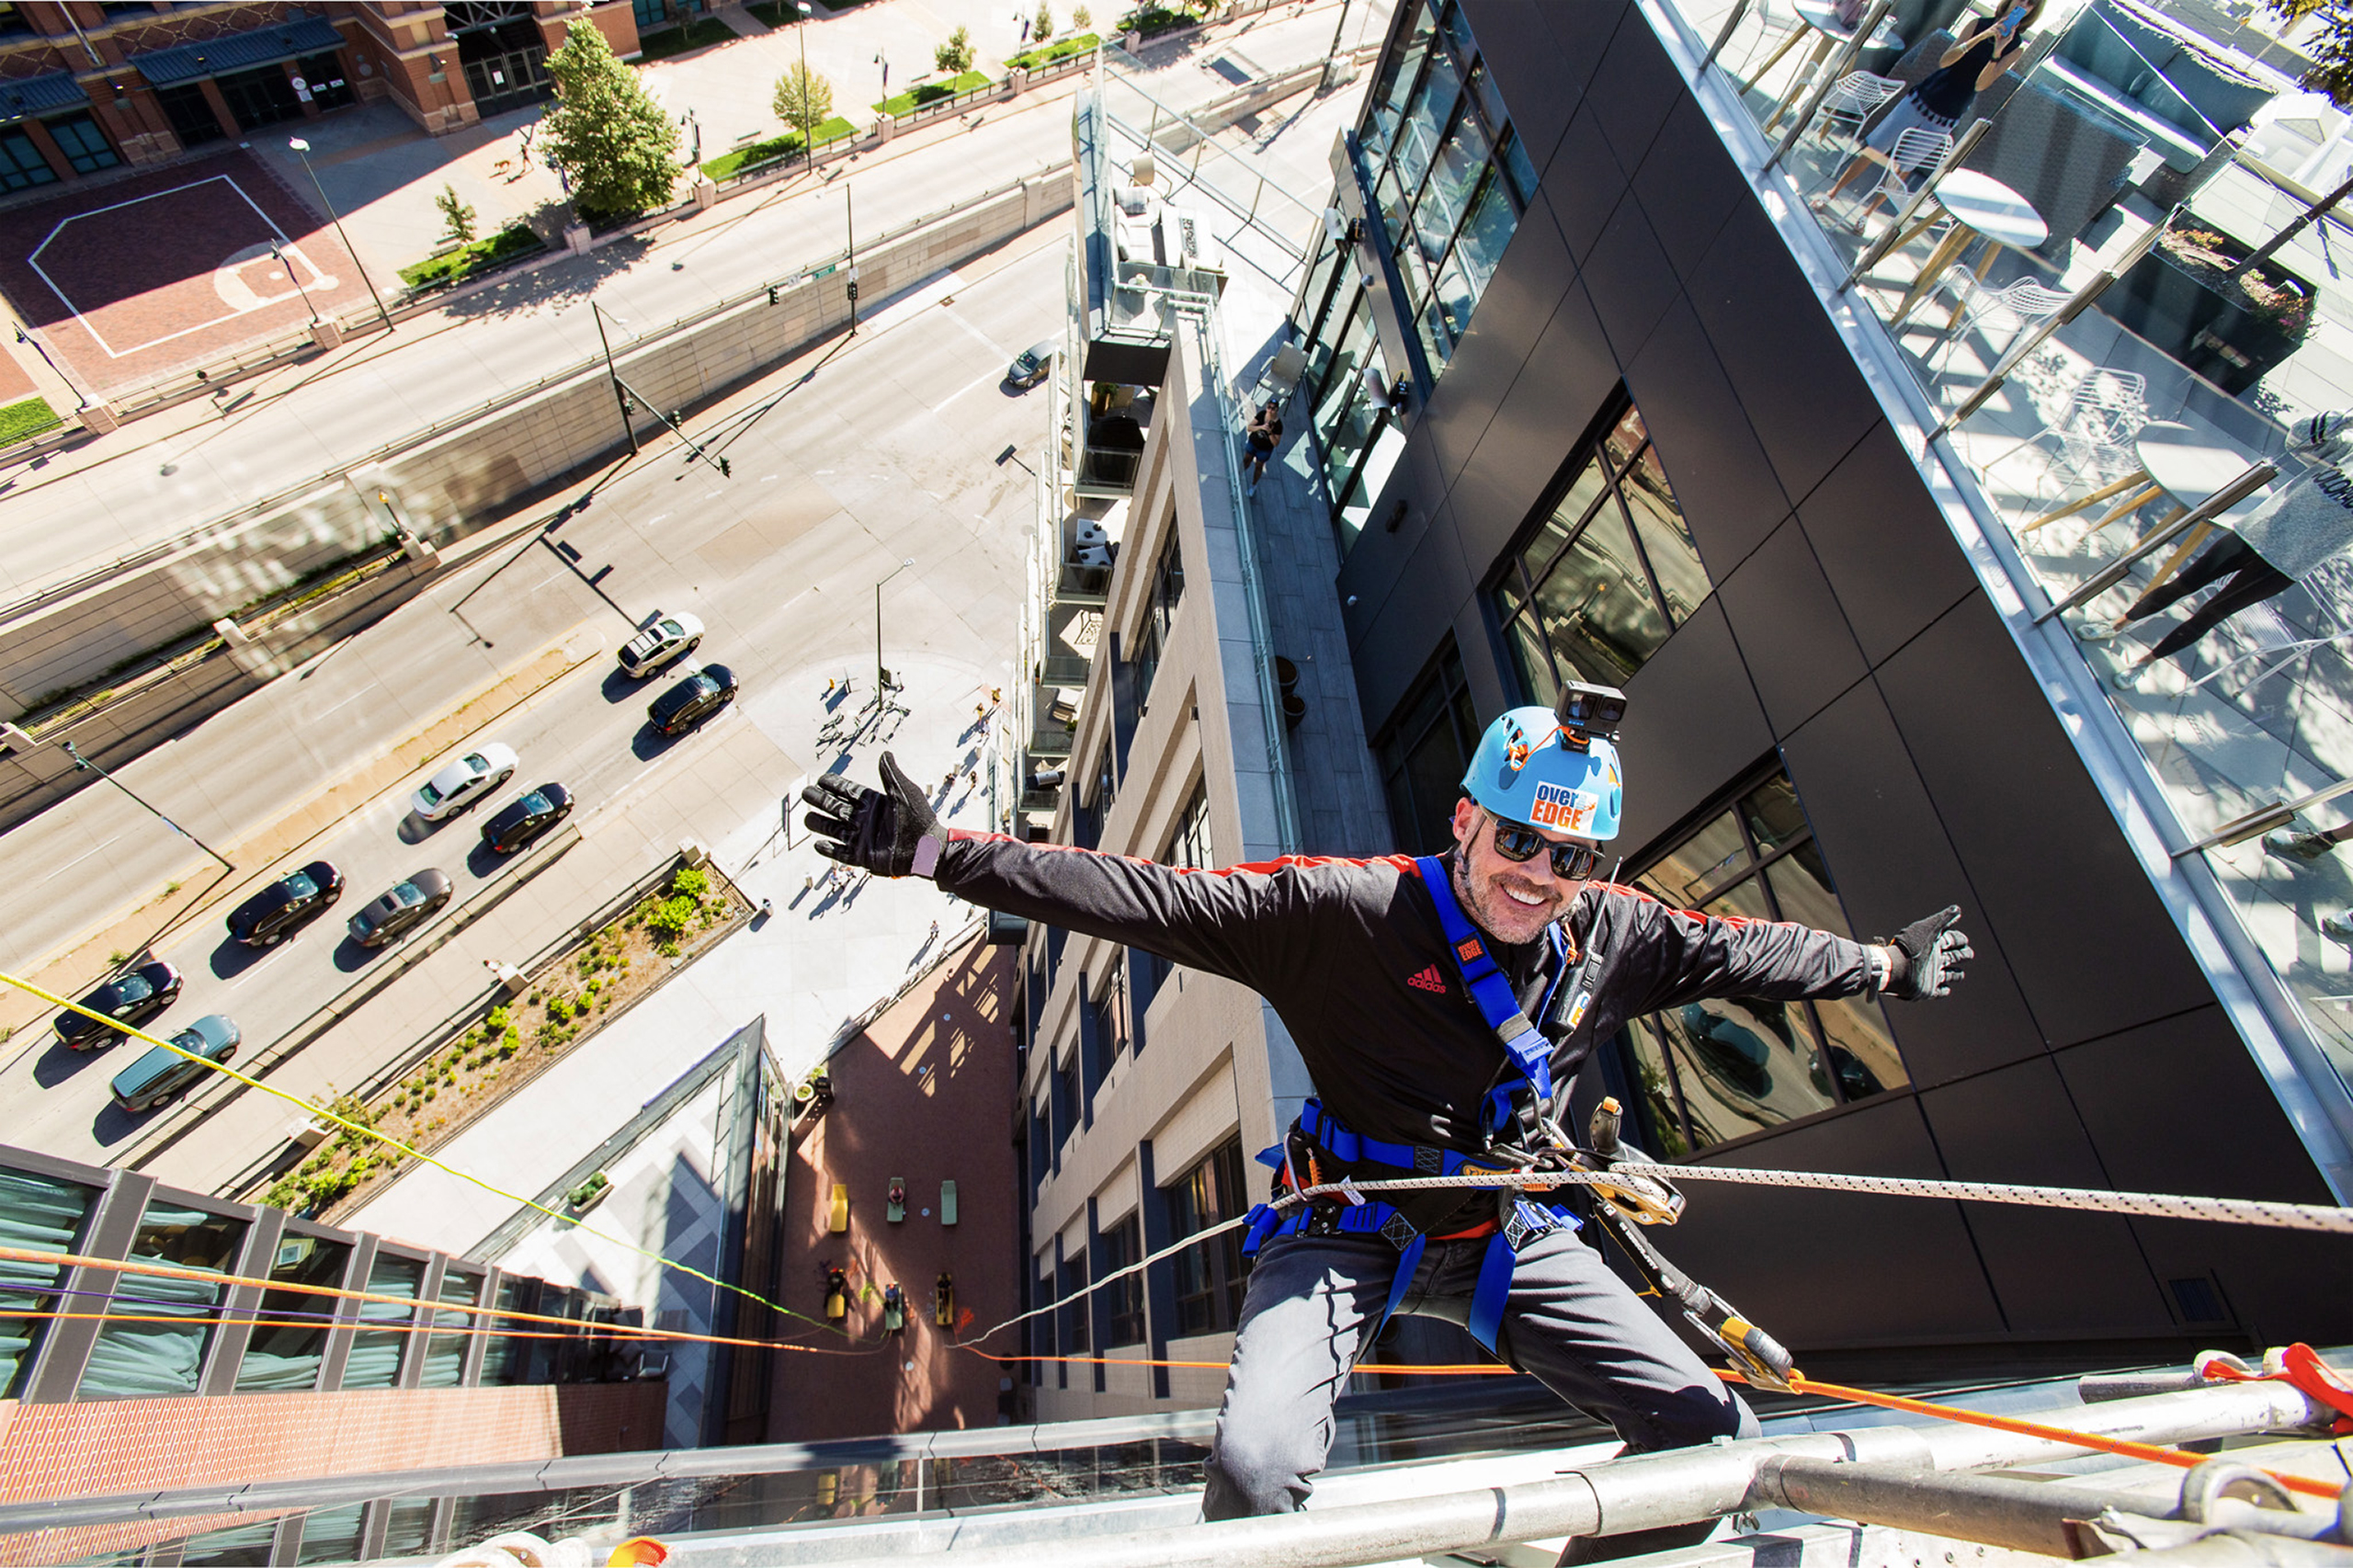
x,y
1517,843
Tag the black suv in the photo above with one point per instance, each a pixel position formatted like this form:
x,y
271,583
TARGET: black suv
x,y
692,700
132,998
526,818
279,910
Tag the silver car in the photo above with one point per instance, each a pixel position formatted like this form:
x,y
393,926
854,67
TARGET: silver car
x,y
663,636
401,908
462,783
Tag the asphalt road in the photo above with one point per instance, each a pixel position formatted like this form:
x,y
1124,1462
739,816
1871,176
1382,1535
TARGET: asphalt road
x,y
844,464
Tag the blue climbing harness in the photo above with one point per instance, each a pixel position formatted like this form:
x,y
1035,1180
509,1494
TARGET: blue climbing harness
x,y
1517,1109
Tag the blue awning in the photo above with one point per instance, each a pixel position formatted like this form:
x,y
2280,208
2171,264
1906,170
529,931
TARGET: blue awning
x,y
297,35
41,95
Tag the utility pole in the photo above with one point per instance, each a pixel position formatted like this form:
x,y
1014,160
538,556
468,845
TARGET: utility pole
x,y
1334,53
84,765
881,675
298,281
694,447
620,393
303,151
850,227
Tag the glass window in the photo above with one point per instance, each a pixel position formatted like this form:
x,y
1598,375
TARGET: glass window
x,y
1208,1276
236,1547
1461,160
1077,1307
513,1360
445,1353
1606,573
1123,1246
1111,1014
84,144
375,1359
1479,248
331,1534
1424,752
38,1214
1385,105
21,165
1188,844
157,1328
1710,1071
1160,614
286,1355
1418,136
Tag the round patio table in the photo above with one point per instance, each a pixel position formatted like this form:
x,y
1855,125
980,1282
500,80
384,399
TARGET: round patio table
x,y
1981,207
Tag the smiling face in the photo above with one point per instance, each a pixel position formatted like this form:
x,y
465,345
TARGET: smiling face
x,y
1512,901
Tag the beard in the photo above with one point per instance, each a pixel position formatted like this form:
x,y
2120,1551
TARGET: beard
x,y
1505,918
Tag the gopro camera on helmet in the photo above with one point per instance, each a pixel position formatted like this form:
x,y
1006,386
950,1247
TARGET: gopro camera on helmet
x,y
1586,711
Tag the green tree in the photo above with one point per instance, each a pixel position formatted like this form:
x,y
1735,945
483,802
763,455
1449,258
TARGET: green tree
x,y
457,217
1043,28
610,139
1081,18
955,56
804,100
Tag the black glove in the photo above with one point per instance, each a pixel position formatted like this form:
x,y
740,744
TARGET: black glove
x,y
1926,957
890,832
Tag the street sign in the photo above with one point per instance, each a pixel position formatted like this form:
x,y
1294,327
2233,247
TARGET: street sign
x,y
824,271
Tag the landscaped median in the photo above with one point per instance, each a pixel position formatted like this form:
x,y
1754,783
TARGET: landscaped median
x,y
23,421
480,1060
1031,58
511,243
760,155
913,98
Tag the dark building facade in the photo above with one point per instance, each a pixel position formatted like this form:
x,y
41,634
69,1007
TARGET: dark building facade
x,y
1582,414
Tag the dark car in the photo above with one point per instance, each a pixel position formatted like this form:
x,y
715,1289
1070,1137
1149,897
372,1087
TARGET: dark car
x,y
692,700
1029,366
279,910
401,908
130,998
163,1074
527,817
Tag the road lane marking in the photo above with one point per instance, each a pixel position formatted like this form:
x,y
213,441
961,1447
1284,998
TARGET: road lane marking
x,y
74,862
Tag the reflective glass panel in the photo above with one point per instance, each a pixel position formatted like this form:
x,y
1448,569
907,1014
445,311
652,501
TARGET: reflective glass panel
x,y
157,1328
39,1214
375,1358
1596,605
1658,1123
286,1355
1699,863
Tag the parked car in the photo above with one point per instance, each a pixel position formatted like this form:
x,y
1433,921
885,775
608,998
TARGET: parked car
x,y
464,782
1032,365
526,817
401,908
132,998
163,1074
692,700
661,637
279,910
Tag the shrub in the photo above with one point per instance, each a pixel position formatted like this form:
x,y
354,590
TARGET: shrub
x,y
496,1020
691,882
515,239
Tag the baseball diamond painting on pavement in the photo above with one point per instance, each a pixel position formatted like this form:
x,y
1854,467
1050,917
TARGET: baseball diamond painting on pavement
x,y
131,278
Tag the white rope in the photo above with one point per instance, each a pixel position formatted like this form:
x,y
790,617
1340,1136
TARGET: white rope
x,y
2164,1206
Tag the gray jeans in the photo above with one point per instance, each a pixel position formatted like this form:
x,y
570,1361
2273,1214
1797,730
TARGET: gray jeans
x,y
1315,1303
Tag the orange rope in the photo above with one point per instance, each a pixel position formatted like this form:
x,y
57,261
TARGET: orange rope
x,y
574,1325
2122,1447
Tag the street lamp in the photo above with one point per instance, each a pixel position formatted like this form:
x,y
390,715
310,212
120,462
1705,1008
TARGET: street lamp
x,y
628,425
808,131
41,349
296,280
883,58
303,151
849,231
84,765
881,675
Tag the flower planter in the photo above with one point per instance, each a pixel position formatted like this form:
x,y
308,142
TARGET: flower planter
x,y
2192,313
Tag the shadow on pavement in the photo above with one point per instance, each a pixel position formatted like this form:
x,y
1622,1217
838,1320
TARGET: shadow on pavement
x,y
233,958
113,1125
60,1063
415,829
619,686
649,743
570,280
350,956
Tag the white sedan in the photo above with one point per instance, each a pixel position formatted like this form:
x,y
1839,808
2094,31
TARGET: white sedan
x,y
661,637
462,783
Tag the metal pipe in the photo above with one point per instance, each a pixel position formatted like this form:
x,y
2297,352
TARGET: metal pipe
x,y
1834,69
2257,476
1615,1496
1992,1510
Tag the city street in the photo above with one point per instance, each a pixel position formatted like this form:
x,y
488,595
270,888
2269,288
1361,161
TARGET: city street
x,y
876,450
159,475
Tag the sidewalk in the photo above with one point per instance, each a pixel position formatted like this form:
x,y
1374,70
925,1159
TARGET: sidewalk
x,y
159,476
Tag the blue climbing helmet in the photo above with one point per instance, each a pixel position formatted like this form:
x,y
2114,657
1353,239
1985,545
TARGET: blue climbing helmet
x,y
1553,768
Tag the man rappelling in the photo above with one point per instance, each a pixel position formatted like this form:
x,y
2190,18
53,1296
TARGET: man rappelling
x,y
1443,1006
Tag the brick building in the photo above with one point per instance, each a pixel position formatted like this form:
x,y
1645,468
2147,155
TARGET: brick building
x,y
86,86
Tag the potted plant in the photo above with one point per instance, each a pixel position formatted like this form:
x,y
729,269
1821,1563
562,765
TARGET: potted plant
x,y
589,1194
2207,300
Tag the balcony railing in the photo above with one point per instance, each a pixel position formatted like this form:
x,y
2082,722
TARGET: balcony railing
x,y
2058,271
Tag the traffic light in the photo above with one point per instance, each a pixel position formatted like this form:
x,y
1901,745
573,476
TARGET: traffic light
x,y
724,471
772,297
853,291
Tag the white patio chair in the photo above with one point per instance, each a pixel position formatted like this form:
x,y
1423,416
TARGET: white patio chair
x,y
1999,313
1853,98
2105,413
1917,153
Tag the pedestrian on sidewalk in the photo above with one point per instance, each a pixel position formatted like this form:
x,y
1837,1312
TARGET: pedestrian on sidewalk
x,y
1265,435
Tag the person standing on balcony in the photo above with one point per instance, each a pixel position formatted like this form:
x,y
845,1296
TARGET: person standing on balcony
x,y
2298,528
1438,1003
1266,434
1977,59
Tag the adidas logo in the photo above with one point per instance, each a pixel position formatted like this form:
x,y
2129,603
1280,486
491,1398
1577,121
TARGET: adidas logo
x,y
1428,980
